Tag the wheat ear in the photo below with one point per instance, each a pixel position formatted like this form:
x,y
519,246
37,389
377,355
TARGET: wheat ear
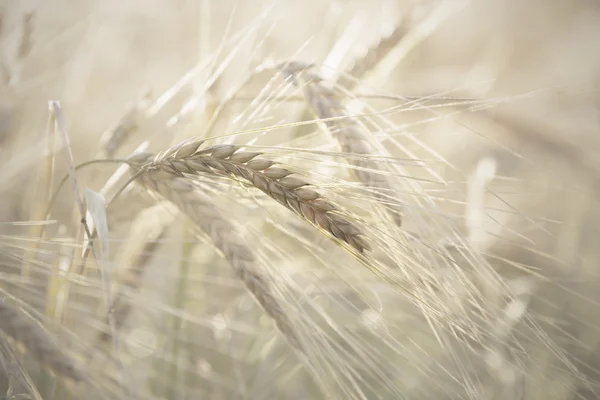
x,y
326,104
373,56
290,191
112,140
148,228
200,208
37,342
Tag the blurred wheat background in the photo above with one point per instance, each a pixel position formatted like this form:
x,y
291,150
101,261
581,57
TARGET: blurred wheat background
x,y
346,199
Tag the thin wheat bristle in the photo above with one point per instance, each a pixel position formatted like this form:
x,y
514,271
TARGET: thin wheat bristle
x,y
290,191
37,342
200,208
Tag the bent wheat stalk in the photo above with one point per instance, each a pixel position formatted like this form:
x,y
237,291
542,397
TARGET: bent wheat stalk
x,y
190,159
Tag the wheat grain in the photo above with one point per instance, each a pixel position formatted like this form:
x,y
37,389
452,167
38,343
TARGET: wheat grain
x,y
277,182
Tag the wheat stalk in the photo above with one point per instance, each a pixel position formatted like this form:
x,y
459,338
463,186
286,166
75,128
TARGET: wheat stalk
x,y
189,159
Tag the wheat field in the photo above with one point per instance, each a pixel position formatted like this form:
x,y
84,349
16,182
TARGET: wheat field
x,y
272,199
